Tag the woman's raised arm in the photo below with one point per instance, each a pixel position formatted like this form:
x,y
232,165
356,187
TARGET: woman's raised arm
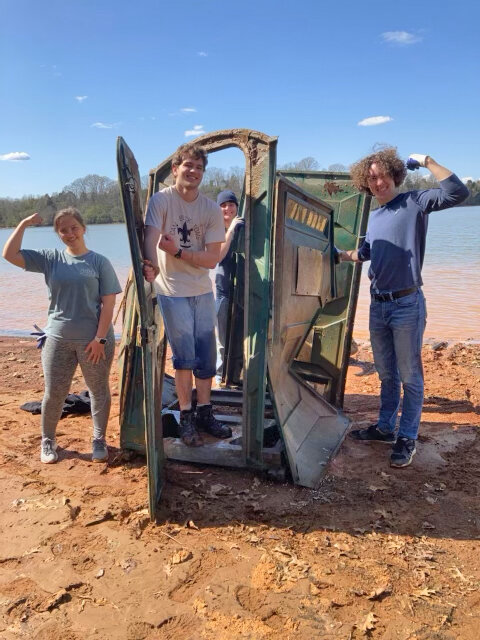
x,y
11,250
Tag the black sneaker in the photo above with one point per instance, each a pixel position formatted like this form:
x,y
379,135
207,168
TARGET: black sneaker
x,y
207,422
188,430
403,451
372,434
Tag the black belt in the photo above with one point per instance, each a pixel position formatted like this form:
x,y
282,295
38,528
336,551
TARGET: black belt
x,y
386,297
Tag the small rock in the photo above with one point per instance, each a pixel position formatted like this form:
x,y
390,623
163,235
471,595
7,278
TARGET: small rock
x,y
439,346
181,556
128,565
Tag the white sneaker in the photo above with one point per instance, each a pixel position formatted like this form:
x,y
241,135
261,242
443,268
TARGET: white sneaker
x,y
99,450
48,451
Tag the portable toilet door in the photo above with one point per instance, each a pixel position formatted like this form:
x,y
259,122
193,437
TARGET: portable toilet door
x,y
313,308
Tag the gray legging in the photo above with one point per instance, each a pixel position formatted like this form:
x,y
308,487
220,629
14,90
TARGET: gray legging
x,y
59,361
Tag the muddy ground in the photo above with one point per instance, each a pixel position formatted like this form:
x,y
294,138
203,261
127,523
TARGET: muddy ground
x,y
374,553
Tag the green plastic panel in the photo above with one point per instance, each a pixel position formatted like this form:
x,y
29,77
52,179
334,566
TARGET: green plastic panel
x,y
329,342
139,348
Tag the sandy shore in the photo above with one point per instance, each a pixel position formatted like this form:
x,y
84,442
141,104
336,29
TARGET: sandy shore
x,y
374,553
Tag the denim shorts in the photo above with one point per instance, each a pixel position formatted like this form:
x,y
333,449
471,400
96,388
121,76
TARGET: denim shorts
x,y
190,328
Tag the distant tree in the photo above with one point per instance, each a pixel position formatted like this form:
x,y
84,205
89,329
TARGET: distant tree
x,y
474,197
337,167
214,178
305,164
235,179
65,199
416,181
90,185
217,180
96,214
98,197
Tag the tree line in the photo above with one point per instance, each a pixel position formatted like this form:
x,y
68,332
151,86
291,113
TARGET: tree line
x,y
98,197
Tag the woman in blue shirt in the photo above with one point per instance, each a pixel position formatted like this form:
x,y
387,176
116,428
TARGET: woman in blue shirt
x,y
82,286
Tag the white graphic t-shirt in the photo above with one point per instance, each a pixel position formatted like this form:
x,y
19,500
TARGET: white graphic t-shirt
x,y
193,225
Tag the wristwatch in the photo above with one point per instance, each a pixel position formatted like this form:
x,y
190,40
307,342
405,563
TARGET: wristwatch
x,y
100,340
178,254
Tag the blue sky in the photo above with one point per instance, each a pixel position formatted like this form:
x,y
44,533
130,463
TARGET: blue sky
x,y
75,74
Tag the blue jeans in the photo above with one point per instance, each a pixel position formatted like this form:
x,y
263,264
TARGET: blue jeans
x,y
396,334
190,328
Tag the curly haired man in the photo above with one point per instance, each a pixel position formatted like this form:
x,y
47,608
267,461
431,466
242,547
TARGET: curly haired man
x,y
395,245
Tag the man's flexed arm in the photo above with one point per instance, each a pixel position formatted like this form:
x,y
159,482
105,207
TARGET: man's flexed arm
x,y
416,160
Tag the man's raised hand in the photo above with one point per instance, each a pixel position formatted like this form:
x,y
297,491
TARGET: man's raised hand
x,y
415,161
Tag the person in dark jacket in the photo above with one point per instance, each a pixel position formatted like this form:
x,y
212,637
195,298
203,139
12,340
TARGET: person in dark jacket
x,y
227,200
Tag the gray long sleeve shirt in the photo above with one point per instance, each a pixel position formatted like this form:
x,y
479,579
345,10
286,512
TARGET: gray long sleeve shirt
x,y
397,232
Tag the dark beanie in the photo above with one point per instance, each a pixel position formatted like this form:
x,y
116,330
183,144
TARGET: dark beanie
x,y
226,196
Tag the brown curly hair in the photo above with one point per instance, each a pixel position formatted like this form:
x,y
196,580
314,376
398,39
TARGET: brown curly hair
x,y
190,149
387,159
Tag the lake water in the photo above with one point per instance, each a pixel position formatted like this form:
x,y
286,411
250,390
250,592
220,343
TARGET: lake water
x,y
451,275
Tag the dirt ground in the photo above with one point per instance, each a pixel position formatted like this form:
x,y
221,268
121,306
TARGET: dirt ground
x,y
374,553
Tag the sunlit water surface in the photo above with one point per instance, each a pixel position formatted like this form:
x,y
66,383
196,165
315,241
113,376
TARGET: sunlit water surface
x,y
451,277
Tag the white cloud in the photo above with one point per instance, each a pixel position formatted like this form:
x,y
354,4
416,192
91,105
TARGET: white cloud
x,y
196,131
188,110
374,120
202,54
401,37
15,156
465,180
104,125
81,98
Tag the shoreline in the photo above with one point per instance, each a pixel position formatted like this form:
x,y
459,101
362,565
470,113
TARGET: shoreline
x,y
361,342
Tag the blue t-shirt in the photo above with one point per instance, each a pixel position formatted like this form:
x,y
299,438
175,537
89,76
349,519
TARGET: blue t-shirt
x,y
223,270
397,232
76,285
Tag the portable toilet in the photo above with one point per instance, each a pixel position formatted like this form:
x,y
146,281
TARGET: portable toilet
x,y
292,313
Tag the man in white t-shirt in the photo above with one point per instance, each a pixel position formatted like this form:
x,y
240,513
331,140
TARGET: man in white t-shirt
x,y
188,230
